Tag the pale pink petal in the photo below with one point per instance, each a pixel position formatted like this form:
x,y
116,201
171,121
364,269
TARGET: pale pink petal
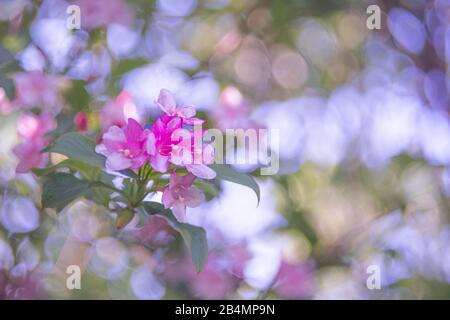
x,y
179,210
201,171
208,154
139,161
101,149
167,198
194,198
166,102
114,139
186,112
117,161
28,126
160,163
150,144
194,121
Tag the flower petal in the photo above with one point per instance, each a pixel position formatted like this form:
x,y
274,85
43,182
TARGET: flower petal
x,y
194,198
160,163
166,101
117,161
201,171
114,139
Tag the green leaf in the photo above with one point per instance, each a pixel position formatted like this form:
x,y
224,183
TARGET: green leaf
x,y
152,207
193,236
77,96
72,164
8,62
8,85
62,188
227,173
79,147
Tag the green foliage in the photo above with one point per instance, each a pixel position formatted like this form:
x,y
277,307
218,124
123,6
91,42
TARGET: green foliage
x,y
77,146
193,236
227,173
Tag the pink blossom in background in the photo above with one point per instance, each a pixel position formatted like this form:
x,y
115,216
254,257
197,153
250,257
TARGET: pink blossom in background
x,y
81,121
98,13
36,89
294,281
212,282
5,104
237,257
117,111
156,232
24,287
233,112
33,131
125,147
180,194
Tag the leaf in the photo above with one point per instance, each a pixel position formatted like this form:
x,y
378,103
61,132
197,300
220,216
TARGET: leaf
x,y
193,236
227,173
62,188
77,96
8,62
8,85
152,207
72,164
79,147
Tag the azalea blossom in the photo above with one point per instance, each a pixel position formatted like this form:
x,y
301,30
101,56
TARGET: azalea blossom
x,y
167,103
180,193
195,156
126,147
33,131
162,130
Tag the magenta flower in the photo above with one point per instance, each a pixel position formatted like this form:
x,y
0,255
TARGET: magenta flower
x,y
167,103
180,194
127,147
33,129
162,130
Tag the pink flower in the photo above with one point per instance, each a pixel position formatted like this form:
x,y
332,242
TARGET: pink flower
x,y
95,13
167,103
162,130
180,194
5,104
194,155
127,147
36,89
233,112
81,121
33,130
117,111
156,232
294,281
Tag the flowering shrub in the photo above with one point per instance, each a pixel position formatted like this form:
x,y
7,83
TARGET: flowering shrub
x,y
164,156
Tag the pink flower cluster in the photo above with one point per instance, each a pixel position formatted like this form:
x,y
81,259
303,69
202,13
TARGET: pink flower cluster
x,y
33,131
171,140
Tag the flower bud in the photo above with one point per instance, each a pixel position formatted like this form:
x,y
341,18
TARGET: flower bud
x,y
124,217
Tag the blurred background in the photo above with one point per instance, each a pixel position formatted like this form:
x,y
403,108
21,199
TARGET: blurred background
x,y
364,151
